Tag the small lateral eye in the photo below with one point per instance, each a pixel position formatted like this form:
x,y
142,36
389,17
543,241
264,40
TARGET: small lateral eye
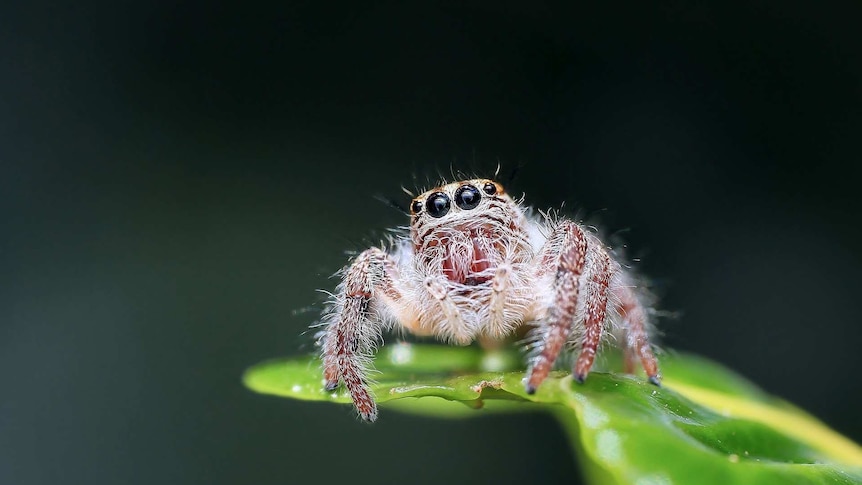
x,y
416,206
437,204
467,197
490,188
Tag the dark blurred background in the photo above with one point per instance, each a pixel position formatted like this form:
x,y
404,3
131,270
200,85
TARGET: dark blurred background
x,y
177,180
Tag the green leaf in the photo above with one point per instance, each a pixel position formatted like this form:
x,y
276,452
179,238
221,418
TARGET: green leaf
x,y
705,425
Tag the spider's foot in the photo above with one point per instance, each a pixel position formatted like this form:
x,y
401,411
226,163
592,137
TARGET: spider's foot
x,y
579,378
330,386
530,389
655,380
370,416
365,405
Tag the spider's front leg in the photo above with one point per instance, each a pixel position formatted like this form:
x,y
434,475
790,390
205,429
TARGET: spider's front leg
x,y
584,269
354,328
564,256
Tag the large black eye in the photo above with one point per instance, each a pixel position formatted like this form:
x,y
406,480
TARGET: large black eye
x,y
437,204
416,206
467,197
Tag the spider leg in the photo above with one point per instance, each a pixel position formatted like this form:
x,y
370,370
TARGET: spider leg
x,y
637,344
454,326
499,293
598,278
565,253
354,329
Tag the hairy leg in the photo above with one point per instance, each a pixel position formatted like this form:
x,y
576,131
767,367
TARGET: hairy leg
x,y
352,332
500,286
598,277
565,254
637,344
454,326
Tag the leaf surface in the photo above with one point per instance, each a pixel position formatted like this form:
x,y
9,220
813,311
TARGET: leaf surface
x,y
705,425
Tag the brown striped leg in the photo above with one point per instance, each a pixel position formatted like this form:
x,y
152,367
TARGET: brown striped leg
x,y
351,334
637,340
571,243
598,277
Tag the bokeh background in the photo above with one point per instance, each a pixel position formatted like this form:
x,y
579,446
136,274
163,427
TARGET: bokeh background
x,y
176,181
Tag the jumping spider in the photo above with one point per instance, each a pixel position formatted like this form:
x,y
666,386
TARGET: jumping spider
x,y
479,265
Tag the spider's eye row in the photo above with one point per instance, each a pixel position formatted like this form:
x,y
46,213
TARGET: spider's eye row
x,y
416,206
437,204
490,188
467,197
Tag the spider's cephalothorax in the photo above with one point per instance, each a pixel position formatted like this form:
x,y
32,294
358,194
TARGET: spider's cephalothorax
x,y
478,265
